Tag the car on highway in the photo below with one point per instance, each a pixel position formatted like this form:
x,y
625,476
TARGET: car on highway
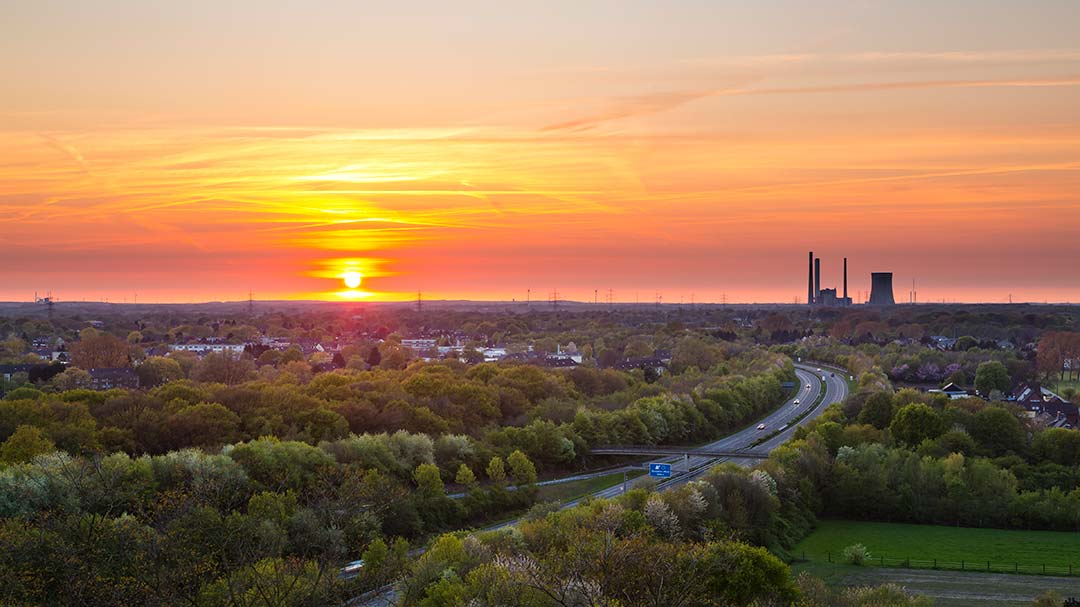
x,y
761,426
819,369
797,403
807,386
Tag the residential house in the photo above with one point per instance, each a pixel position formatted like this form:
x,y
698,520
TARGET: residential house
x,y
118,377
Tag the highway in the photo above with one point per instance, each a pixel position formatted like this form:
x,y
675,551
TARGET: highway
x,y
836,389
834,383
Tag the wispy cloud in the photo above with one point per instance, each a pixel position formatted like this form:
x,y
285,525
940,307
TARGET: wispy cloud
x,y
629,107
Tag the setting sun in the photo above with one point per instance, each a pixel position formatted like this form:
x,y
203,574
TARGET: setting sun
x,y
352,279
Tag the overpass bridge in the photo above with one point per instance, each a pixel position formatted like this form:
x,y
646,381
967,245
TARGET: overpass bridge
x,y
674,451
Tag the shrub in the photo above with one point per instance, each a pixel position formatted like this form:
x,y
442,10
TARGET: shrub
x,y
856,554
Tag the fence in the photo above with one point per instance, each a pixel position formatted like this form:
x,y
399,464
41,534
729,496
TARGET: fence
x,y
948,565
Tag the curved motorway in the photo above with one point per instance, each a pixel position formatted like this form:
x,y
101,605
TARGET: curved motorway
x,y
835,387
833,382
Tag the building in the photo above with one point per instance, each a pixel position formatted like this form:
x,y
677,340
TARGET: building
x,y
881,290
1046,406
109,378
204,349
824,297
419,345
953,391
35,372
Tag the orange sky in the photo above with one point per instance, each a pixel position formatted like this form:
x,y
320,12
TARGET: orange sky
x,y
696,149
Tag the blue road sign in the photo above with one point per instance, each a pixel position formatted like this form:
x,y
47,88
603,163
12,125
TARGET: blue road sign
x,y
660,470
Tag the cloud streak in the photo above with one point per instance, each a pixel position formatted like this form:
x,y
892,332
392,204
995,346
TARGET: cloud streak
x,y
662,102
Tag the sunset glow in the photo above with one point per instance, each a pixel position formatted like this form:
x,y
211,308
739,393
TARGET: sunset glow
x,y
675,150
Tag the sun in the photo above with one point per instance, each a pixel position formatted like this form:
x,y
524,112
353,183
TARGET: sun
x,y
352,278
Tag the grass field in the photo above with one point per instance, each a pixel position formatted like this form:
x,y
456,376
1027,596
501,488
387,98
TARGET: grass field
x,y
564,492
1005,549
1061,385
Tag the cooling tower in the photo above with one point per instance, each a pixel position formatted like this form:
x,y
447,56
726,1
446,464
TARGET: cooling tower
x,y
810,281
881,289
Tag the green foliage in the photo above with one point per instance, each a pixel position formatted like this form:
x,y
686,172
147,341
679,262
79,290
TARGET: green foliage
x,y
496,470
992,375
428,480
465,477
856,554
916,423
24,444
998,431
521,469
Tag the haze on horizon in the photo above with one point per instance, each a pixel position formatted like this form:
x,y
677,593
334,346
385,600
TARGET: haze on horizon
x,y
193,151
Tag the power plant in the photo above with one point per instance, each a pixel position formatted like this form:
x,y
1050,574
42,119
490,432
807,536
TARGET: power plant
x,y
881,293
881,289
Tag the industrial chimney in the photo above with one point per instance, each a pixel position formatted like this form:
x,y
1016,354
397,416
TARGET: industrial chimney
x,y
845,282
881,293
817,279
810,280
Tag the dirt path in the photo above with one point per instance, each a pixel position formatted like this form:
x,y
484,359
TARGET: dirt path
x,y
956,588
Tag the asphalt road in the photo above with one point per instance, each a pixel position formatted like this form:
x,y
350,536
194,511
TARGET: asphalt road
x,y
836,389
834,383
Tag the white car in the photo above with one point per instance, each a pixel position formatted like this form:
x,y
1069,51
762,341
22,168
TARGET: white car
x,y
819,369
807,386
761,426
797,403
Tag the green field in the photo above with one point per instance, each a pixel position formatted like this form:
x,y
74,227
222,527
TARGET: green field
x,y
564,492
952,547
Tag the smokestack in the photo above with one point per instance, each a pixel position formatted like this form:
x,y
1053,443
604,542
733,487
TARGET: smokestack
x,y
817,279
845,279
810,280
881,292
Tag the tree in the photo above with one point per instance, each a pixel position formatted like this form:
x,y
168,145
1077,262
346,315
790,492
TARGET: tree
x,y
998,431
965,343
396,358
991,375
877,411
1057,445
224,368
203,425
637,348
521,469
99,351
465,477
374,357
24,444
157,370
71,379
496,470
915,423
429,481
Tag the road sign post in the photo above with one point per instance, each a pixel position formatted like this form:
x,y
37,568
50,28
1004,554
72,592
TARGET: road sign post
x,y
659,470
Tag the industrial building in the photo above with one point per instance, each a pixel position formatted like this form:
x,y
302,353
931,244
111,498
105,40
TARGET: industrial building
x,y
881,293
815,295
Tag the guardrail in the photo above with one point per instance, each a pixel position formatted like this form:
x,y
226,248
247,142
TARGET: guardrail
x,y
798,418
